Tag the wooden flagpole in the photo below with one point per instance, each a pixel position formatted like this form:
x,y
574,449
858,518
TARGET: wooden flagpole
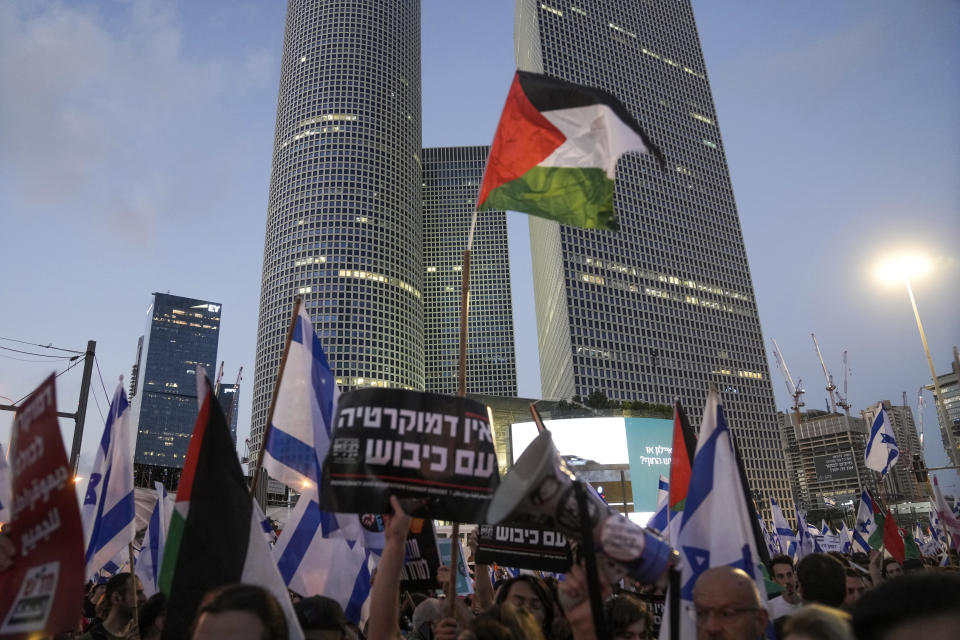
x,y
133,594
462,392
273,399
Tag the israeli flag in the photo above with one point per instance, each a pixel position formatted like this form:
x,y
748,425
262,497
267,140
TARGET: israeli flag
x,y
715,496
882,452
302,421
846,537
311,564
866,524
660,518
108,504
807,542
151,553
783,531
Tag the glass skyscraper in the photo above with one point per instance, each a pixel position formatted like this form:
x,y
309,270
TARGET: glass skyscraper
x,y
666,306
344,221
451,179
182,334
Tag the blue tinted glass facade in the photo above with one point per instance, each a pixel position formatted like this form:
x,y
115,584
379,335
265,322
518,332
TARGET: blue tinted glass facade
x,y
182,334
228,395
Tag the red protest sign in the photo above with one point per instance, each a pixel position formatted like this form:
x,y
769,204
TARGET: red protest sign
x,y
43,591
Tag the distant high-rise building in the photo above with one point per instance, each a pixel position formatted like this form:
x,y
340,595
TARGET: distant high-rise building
x,y
451,178
824,454
900,483
948,408
182,334
666,306
228,395
344,220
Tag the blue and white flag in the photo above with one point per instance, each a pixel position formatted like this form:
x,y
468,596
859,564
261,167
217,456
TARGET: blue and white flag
x,y
882,452
661,517
5,488
716,529
845,538
824,528
785,534
151,552
313,565
807,542
302,421
108,503
866,524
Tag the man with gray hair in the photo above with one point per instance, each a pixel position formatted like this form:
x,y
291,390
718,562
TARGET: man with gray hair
x,y
728,606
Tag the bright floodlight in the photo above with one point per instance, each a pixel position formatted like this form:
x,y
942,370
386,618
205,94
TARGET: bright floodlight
x,y
903,267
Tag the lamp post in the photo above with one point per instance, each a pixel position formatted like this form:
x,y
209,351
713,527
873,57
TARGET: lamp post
x,y
901,269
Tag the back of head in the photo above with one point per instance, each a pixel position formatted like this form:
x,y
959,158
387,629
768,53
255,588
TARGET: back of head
x,y
320,613
150,612
823,580
623,610
426,612
250,599
818,621
504,621
919,605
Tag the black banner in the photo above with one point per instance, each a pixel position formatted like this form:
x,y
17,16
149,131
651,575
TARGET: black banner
x,y
835,466
523,548
434,452
421,559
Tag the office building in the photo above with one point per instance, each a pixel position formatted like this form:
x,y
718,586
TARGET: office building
x,y
900,484
825,460
181,335
228,395
344,218
948,408
451,178
666,306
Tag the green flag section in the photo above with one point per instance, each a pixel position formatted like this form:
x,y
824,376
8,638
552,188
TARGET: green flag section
x,y
215,536
877,534
910,546
555,152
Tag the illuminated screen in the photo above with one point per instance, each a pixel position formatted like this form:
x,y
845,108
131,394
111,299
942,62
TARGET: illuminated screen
x,y
642,443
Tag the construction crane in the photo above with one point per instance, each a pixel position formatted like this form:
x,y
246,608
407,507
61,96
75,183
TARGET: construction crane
x,y
832,406
795,390
842,398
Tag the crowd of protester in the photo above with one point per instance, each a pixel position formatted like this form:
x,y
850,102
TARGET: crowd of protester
x,y
829,596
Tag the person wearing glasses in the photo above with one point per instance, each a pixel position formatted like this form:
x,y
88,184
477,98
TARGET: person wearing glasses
x,y
727,606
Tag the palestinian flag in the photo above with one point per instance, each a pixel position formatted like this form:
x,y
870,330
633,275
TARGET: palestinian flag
x,y
681,460
892,539
878,533
215,536
556,149
910,546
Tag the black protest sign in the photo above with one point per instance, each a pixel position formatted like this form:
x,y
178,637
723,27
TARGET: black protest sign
x,y
421,558
434,452
523,548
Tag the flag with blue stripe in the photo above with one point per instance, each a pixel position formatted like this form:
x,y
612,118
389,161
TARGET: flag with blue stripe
x,y
300,429
866,524
151,552
716,528
312,564
785,535
882,452
660,518
108,503
846,537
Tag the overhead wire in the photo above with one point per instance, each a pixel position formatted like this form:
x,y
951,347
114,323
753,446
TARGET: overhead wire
x,y
42,346
41,355
3,355
97,402
100,375
54,377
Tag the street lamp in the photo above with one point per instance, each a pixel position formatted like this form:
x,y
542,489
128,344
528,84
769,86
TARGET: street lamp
x,y
904,267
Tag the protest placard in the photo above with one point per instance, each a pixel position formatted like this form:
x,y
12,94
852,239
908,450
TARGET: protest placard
x,y
421,558
523,547
464,583
43,591
434,452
